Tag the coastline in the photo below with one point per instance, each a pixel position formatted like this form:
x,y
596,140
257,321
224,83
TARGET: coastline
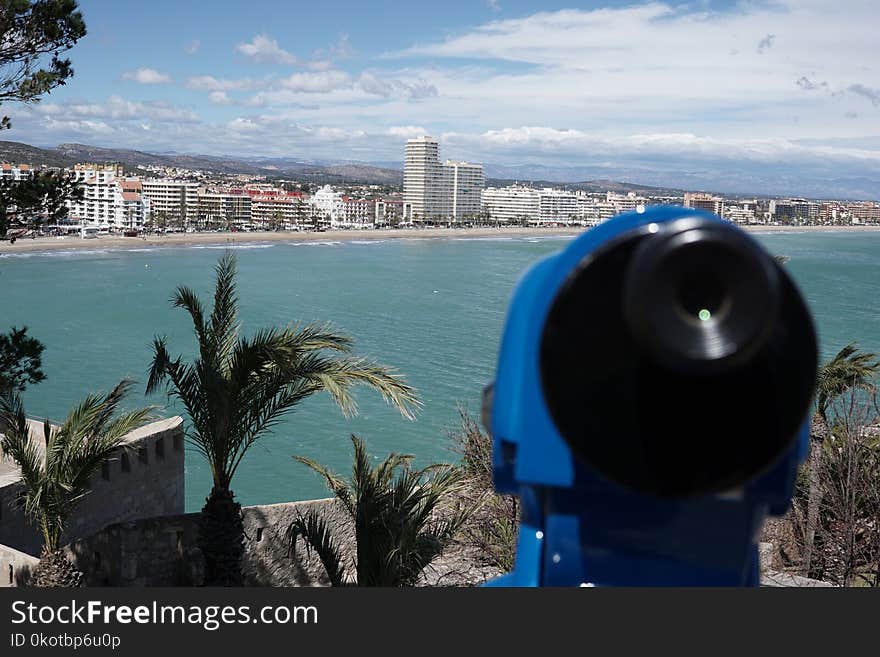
x,y
43,244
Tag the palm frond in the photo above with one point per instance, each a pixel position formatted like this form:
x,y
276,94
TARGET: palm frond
x,y
340,374
849,369
337,485
240,387
224,316
401,516
186,298
314,530
55,481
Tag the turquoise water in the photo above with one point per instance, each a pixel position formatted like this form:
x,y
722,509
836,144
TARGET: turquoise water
x,y
433,308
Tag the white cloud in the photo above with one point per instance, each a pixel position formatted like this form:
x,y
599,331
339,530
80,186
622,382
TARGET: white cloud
x,y
219,98
373,84
265,50
119,109
240,124
321,82
407,131
192,47
147,76
210,83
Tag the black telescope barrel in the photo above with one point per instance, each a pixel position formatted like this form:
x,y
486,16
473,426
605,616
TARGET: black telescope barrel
x,y
700,295
679,359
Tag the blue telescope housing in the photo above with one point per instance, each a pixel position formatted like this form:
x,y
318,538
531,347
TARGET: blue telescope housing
x,y
651,404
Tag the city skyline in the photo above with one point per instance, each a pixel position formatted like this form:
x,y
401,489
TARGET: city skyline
x,y
782,94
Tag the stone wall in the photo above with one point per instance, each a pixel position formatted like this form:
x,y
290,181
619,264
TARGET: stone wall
x,y
163,552
15,567
144,480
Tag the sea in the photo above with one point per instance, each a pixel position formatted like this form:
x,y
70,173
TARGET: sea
x,y
432,308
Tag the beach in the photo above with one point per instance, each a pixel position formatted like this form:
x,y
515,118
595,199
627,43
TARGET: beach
x,y
24,245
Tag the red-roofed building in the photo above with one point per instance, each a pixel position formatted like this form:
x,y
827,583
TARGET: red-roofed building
x,y
14,173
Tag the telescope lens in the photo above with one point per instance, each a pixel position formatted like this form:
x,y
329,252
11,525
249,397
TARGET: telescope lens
x,y
701,297
681,362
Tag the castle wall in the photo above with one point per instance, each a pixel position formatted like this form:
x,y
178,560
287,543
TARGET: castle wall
x,y
163,552
144,480
15,567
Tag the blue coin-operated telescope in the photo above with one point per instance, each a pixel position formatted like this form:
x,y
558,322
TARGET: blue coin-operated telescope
x,y
651,404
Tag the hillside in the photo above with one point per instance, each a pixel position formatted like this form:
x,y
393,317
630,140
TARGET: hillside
x,y
13,151
69,154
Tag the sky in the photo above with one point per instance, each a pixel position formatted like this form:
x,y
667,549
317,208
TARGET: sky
x,y
782,93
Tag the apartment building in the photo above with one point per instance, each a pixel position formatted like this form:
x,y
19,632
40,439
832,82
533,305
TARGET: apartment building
x,y
224,208
592,211
514,204
707,202
464,182
109,200
439,192
279,209
15,173
173,201
625,202
389,211
794,210
740,214
558,206
865,212
327,204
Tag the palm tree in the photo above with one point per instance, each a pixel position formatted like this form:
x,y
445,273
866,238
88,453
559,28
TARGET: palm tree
x,y
398,531
55,474
849,369
238,388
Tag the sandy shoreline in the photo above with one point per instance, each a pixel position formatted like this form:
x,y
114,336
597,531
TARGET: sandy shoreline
x,y
43,244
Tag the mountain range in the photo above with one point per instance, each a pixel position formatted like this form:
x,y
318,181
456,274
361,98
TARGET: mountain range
x,y
644,179
319,171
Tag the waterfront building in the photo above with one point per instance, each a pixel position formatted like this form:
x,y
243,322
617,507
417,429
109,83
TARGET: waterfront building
x,y
593,211
389,211
794,210
439,192
135,208
356,213
740,214
707,202
865,212
625,202
327,204
109,200
464,182
173,201
514,204
277,209
224,209
558,206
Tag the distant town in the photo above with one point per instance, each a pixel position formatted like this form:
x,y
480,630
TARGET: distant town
x,y
155,199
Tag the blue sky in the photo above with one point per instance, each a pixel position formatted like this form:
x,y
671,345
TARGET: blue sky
x,y
778,87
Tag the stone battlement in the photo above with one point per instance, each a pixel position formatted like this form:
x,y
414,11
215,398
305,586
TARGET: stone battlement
x,y
144,480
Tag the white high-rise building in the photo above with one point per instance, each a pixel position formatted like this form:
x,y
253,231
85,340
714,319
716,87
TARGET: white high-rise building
x,y
514,204
625,202
558,206
439,192
173,201
328,205
109,200
465,184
